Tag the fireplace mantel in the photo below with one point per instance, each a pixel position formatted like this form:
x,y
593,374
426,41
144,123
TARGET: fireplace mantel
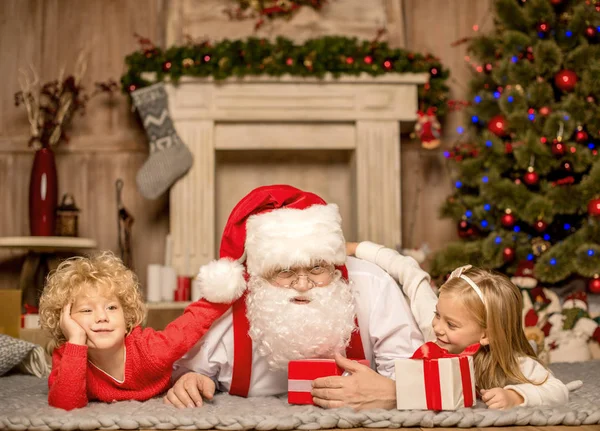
x,y
357,114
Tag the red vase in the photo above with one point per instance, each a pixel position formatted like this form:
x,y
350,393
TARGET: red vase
x,y
43,193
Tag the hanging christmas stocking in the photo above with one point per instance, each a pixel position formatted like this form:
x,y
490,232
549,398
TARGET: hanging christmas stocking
x,y
169,157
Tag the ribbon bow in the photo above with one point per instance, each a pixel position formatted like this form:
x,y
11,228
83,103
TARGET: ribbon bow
x,y
430,350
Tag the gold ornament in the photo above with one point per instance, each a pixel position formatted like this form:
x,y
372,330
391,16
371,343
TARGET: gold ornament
x,y
539,246
223,62
187,62
267,60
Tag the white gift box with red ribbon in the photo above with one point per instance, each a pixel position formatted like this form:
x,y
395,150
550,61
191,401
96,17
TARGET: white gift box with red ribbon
x,y
302,372
434,379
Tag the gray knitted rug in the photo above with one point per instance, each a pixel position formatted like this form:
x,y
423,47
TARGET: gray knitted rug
x,y
23,405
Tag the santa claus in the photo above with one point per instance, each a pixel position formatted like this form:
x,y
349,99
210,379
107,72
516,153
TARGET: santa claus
x,y
294,295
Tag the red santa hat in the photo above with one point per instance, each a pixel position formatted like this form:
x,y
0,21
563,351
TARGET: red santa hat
x,y
576,300
277,226
524,277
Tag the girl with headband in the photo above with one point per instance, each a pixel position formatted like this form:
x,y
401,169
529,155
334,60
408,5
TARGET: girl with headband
x,y
478,306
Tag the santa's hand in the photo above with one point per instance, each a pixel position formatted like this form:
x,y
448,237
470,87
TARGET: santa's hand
x,y
501,399
189,390
363,389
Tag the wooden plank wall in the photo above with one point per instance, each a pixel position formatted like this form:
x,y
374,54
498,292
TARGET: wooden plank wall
x,y
108,143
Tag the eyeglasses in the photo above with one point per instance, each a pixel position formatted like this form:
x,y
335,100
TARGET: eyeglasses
x,y
317,276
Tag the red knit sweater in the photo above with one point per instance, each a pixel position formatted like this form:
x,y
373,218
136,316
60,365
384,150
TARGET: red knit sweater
x,y
149,358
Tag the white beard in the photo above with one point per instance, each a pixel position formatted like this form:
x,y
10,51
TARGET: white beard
x,y
284,330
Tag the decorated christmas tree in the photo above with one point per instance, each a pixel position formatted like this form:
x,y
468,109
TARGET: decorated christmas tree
x,y
527,173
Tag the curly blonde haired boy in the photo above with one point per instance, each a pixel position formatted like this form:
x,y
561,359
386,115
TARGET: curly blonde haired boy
x,y
93,308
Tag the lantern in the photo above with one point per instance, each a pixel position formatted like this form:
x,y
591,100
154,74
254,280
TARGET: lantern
x,y
67,214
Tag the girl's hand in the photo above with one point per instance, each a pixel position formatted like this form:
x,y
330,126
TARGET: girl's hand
x,y
351,248
501,399
73,332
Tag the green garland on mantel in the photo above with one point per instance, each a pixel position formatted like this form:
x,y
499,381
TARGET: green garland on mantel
x,y
333,55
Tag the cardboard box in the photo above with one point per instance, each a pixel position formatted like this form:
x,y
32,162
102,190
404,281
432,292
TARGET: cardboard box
x,y
302,372
435,379
10,312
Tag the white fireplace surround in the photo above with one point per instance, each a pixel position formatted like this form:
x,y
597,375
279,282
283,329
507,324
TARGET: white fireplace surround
x,y
372,106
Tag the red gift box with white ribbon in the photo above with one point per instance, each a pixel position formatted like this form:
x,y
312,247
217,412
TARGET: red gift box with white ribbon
x,y
302,372
433,379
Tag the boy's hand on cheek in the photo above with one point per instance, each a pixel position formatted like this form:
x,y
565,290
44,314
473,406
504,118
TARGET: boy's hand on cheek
x,y
73,332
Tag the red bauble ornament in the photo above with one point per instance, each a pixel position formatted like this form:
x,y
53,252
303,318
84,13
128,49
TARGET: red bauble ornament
x,y
594,285
465,229
508,148
368,59
531,178
349,60
581,136
540,226
543,27
289,61
566,166
498,125
508,254
508,220
167,66
565,80
558,148
591,32
544,110
387,64
594,207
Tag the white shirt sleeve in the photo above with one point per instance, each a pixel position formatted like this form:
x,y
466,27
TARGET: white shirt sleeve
x,y
384,317
552,392
414,281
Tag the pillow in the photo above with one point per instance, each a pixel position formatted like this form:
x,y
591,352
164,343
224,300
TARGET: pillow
x,y
28,356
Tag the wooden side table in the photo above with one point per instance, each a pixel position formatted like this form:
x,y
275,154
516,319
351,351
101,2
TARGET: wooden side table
x,y
41,251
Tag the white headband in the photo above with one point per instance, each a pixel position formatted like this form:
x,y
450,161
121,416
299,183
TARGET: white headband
x,y
458,273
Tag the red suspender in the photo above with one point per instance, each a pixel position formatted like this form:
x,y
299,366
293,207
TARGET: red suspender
x,y
355,348
242,350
